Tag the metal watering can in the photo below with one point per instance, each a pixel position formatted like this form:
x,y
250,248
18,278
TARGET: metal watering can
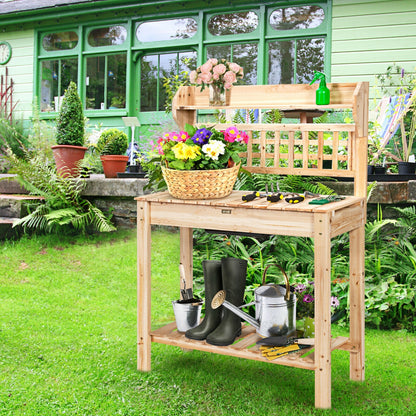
x,y
275,307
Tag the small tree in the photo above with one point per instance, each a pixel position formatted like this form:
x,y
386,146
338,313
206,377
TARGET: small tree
x,y
71,124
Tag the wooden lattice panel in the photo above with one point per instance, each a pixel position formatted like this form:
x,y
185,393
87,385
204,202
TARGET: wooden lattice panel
x,y
298,149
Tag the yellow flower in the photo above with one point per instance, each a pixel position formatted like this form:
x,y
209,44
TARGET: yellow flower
x,y
183,151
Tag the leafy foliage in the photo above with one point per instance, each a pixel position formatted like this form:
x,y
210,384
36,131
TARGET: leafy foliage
x,y
112,142
62,209
390,265
11,135
70,127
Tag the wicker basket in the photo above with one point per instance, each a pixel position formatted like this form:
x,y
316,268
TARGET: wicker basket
x,y
200,184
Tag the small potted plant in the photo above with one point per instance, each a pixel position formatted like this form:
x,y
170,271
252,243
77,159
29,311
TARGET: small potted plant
x,y
70,134
112,146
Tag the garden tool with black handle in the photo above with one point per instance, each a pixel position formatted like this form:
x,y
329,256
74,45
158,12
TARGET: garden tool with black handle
x,y
252,196
212,318
234,272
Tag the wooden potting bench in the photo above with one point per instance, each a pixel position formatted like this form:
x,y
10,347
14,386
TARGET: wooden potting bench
x,y
296,149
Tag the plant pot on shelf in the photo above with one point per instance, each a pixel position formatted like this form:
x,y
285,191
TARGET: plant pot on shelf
x,y
67,159
112,164
379,170
407,168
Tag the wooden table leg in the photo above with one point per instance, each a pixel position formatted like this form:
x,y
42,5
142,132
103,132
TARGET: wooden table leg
x,y
186,246
143,285
322,311
357,305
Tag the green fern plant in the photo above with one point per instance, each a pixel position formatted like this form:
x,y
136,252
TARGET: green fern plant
x,y
62,207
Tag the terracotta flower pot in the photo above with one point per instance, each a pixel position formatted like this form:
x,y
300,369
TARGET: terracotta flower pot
x,y
112,164
67,159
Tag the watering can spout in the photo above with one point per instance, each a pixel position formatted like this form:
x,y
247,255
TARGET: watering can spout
x,y
219,299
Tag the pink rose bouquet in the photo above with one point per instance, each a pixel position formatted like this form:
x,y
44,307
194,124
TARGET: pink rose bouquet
x,y
217,72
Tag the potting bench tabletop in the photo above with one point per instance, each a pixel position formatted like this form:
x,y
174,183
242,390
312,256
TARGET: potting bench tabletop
x,y
319,222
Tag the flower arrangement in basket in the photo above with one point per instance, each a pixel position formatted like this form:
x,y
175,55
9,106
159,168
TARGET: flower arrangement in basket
x,y
201,163
219,75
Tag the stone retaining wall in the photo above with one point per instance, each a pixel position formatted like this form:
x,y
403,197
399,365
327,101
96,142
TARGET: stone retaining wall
x,y
117,195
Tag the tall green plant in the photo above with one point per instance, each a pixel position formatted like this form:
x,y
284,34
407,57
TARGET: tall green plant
x,y
70,128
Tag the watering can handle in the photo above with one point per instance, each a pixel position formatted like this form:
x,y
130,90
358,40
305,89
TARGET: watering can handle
x,y
287,296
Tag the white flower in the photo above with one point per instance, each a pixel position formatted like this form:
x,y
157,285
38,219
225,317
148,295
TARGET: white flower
x,y
213,149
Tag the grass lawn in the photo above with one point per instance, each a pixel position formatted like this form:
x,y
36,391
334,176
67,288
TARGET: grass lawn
x,y
68,344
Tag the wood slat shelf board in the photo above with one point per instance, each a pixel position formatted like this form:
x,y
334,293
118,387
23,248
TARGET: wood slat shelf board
x,y
170,336
246,106
234,201
328,127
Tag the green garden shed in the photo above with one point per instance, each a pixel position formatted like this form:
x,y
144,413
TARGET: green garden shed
x,y
118,52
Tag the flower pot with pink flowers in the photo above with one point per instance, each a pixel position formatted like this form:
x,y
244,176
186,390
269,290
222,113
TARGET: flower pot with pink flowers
x,y
219,75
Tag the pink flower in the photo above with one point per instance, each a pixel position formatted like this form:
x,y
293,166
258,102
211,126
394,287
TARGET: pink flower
x,y
193,77
206,67
219,69
235,67
227,85
214,61
230,77
205,77
183,136
242,137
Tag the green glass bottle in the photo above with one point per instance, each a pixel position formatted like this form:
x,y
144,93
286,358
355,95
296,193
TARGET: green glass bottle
x,y
322,93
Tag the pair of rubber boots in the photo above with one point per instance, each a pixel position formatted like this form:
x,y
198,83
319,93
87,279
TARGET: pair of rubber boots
x,y
221,326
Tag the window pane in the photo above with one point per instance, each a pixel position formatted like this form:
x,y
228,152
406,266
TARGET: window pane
x,y
149,81
107,36
56,76
302,17
244,54
309,58
233,23
153,69
166,30
60,41
95,83
281,60
116,81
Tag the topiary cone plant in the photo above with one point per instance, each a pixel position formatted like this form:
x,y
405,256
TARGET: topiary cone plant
x,y
70,130
112,146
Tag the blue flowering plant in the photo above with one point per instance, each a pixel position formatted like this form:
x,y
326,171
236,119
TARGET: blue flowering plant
x,y
306,299
202,148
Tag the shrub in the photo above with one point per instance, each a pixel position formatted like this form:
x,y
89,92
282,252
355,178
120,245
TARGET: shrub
x,y
112,142
71,123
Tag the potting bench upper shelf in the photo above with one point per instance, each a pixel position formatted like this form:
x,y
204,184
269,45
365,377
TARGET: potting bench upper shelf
x,y
299,149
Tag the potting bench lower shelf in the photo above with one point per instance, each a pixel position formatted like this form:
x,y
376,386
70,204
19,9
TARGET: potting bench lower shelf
x,y
245,346
321,223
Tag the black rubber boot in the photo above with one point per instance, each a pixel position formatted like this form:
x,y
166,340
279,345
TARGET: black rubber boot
x,y
234,272
213,283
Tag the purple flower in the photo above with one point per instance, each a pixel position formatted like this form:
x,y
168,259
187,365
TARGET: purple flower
x,y
334,302
201,136
300,288
402,73
308,299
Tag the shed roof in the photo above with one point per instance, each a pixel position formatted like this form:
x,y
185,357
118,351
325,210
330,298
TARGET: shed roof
x,y
16,6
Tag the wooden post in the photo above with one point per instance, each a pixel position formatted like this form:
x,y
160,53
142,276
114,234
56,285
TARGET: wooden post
x,y
322,238
143,285
357,306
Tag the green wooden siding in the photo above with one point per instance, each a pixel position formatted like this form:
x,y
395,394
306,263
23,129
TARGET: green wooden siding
x,y
369,35
20,68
